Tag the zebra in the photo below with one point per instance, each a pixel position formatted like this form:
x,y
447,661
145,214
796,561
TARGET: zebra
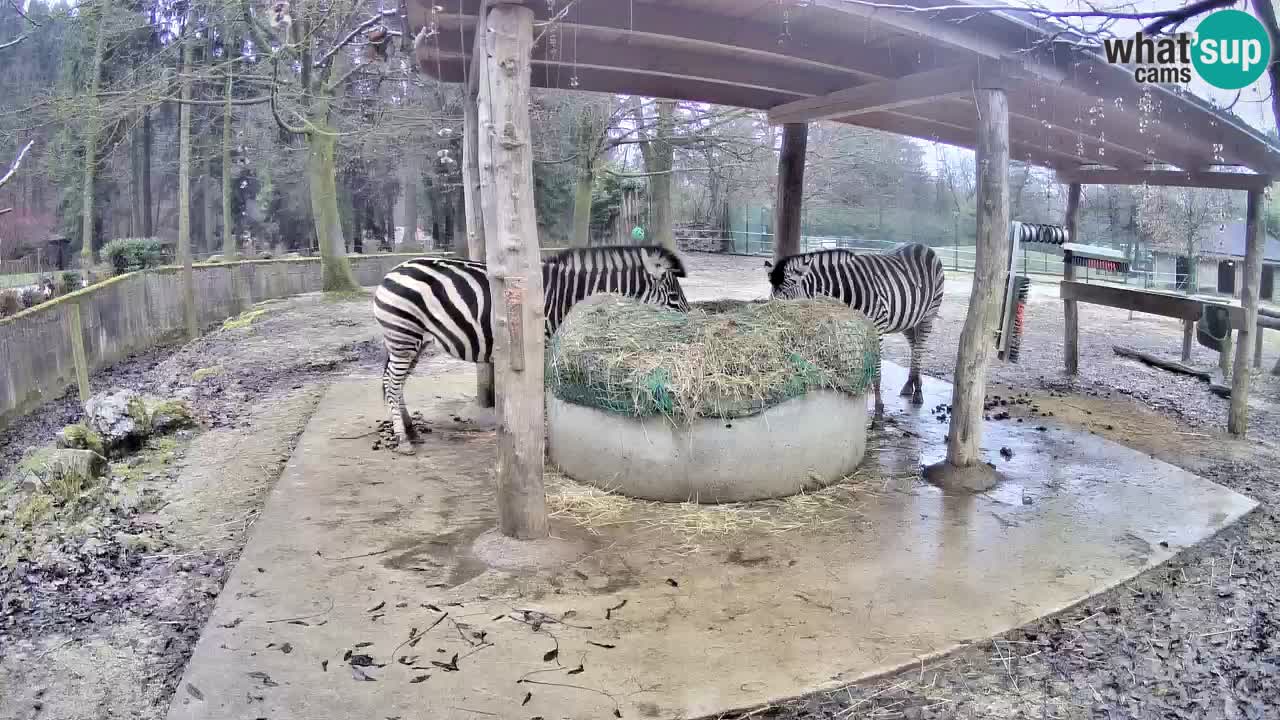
x,y
899,291
450,301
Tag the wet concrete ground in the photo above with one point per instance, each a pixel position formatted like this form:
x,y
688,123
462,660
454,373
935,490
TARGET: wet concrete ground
x,y
359,551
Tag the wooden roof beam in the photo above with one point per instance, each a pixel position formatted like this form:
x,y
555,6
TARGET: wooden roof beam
x,y
1171,178
888,94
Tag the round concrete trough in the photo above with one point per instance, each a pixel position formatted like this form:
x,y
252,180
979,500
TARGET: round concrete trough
x,y
802,444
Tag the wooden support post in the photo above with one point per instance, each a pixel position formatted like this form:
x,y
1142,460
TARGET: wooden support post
x,y
475,218
1070,310
78,356
790,201
964,466
1238,417
1188,334
514,267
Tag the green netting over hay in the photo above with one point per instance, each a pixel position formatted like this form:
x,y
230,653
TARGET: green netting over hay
x,y
723,359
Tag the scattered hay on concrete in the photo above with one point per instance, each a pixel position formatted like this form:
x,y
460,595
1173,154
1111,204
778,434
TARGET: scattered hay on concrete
x,y
835,506
724,359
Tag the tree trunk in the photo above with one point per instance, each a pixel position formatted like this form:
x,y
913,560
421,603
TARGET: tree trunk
x,y
964,446
210,197
410,180
148,213
135,184
184,196
582,206
228,227
790,201
587,136
91,141
321,177
1071,311
660,160
1255,239
475,218
514,269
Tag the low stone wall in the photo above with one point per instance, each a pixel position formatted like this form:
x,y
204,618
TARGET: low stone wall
x,y
138,311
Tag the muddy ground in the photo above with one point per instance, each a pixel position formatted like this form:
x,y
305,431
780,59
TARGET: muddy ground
x,y
1197,638
101,622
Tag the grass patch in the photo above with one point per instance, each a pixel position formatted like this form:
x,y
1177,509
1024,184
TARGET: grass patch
x,y
205,373
244,319
345,296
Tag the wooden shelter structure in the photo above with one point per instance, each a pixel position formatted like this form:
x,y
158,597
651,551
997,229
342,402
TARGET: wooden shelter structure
x,y
1004,84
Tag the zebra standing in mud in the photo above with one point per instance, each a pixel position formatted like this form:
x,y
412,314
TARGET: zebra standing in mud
x,y
449,301
899,291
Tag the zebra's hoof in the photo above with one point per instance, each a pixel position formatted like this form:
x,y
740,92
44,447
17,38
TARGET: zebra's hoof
x,y
907,390
917,398
405,448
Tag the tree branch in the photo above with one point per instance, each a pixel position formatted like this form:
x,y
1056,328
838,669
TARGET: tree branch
x,y
275,110
352,36
11,43
1267,14
18,9
1177,17
13,169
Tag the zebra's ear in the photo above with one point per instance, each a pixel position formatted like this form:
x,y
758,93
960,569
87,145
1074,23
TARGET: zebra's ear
x,y
768,264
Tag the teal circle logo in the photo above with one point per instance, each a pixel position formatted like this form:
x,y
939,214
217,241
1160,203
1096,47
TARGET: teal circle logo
x,y
1232,49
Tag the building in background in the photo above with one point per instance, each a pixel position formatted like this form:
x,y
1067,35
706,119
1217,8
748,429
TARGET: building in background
x,y
1220,265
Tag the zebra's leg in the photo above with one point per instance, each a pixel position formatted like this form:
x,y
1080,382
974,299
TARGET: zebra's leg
x,y
910,387
917,336
400,362
879,415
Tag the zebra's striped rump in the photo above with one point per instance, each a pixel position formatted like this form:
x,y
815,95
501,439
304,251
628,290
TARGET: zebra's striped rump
x,y
450,301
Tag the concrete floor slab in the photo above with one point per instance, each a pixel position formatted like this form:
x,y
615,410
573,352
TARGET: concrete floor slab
x,y
360,546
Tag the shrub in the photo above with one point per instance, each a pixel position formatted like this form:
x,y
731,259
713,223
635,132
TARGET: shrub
x,y
32,296
69,282
130,254
10,303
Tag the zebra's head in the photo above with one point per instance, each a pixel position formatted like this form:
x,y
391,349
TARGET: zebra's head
x,y
666,269
787,276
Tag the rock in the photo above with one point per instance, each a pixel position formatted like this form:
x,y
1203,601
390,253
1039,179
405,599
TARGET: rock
x,y
62,473
170,415
119,418
80,437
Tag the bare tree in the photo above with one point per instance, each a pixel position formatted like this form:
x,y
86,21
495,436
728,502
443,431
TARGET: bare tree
x,y
1179,219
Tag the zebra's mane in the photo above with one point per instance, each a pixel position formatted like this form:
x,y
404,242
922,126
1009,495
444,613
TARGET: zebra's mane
x,y
677,265
778,271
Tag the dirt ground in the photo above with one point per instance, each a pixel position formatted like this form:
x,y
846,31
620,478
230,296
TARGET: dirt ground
x,y
103,624
1197,638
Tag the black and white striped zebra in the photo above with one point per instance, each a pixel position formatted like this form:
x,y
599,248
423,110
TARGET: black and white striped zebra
x,y
899,291
449,301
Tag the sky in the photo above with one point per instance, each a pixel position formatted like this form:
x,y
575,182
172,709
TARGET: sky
x,y
1253,107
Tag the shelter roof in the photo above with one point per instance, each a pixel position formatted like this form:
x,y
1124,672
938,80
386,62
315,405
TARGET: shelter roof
x,y
896,65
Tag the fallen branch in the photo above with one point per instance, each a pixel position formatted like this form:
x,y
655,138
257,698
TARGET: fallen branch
x,y
16,164
1152,360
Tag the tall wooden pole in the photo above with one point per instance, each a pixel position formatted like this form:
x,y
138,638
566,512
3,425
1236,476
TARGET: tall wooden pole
x,y
787,211
471,202
964,466
1238,417
1070,310
514,267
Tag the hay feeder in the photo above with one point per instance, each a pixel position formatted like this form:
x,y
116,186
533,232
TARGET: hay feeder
x,y
734,401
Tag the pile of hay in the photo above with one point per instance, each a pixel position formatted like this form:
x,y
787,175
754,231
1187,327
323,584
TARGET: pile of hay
x,y
723,359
